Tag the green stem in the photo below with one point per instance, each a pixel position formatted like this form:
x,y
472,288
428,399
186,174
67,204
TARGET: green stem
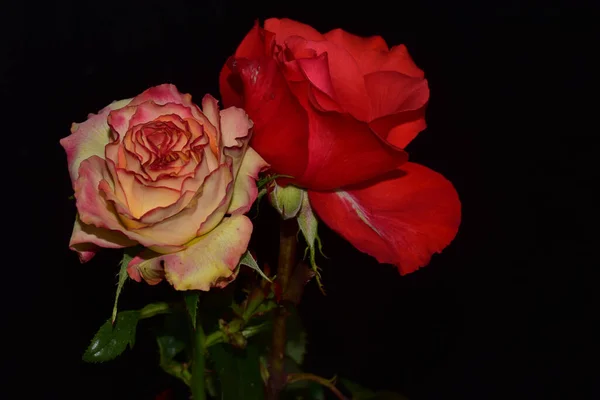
x,y
198,392
286,263
154,309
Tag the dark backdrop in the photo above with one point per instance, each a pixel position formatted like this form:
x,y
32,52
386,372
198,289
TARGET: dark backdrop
x,y
505,312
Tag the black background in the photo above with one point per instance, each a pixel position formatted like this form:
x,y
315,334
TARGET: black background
x,y
505,312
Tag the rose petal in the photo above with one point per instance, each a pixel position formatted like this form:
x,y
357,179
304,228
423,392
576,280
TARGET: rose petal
x,y
87,239
141,198
401,128
403,220
184,226
357,46
281,126
372,53
88,138
392,92
344,151
162,94
235,135
399,60
93,208
284,28
210,108
96,203
141,268
149,111
244,190
208,261
344,75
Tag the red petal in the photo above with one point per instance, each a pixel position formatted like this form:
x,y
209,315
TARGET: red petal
x,y
391,92
397,106
403,220
252,46
280,122
344,151
284,28
401,128
372,53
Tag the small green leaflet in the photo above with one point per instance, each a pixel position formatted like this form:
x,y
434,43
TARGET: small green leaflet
x,y
249,261
191,304
307,221
111,340
127,257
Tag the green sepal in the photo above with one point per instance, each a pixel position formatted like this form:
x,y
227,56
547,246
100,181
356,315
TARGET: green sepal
x,y
307,221
191,305
249,261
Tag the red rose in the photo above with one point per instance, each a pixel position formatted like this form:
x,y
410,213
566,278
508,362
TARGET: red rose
x,y
335,111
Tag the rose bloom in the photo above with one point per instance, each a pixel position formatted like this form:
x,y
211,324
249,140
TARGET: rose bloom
x,y
335,111
158,171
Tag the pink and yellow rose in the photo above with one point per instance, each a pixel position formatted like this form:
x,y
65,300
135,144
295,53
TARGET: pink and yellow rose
x,y
158,171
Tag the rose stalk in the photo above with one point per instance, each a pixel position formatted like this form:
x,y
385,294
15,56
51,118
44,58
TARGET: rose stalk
x,y
285,267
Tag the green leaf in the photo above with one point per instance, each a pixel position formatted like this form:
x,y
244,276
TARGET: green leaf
x,y
191,304
238,372
111,340
127,257
249,261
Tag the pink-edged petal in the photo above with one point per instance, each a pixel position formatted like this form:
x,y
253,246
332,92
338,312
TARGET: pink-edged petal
x,y
149,111
244,190
210,108
88,138
98,206
93,208
185,225
118,121
208,261
162,94
402,220
235,135
86,240
141,268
